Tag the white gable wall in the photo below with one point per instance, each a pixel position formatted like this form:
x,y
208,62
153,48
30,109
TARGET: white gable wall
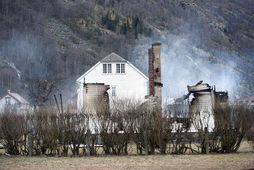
x,y
3,102
132,84
21,108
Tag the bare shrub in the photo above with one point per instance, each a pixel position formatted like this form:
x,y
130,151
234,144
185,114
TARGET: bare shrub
x,y
77,127
44,131
63,133
201,122
250,131
117,129
12,130
179,125
250,135
231,124
54,133
151,129
47,132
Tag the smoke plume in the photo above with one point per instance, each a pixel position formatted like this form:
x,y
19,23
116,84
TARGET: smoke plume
x,y
183,63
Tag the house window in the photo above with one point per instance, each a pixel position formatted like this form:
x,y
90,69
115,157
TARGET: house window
x,y
107,68
120,68
117,68
104,68
113,91
7,100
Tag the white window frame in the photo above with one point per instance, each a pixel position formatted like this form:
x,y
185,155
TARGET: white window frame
x,y
109,68
120,68
106,68
113,91
8,100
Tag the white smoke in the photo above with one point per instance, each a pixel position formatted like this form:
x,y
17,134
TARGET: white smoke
x,y
12,65
184,64
26,53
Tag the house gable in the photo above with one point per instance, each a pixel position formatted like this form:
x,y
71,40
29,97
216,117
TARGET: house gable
x,y
137,70
16,97
81,78
8,95
111,58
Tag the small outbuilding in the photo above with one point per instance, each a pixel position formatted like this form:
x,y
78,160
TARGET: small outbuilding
x,y
13,102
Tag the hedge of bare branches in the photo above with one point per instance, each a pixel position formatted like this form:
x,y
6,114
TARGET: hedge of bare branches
x,y
128,125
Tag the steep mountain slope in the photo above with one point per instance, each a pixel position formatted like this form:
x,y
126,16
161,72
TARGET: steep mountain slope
x,y
61,39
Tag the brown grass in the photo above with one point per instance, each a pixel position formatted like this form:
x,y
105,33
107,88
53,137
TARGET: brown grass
x,y
244,159
228,161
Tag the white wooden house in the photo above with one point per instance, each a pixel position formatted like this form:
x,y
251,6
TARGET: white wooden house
x,y
13,102
125,80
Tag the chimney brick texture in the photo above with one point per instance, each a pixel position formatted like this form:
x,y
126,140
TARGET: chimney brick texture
x,y
155,70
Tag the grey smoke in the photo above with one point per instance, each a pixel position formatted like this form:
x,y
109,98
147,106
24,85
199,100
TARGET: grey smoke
x,y
29,53
183,63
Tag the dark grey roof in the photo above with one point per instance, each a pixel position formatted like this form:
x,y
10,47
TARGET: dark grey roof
x,y
113,57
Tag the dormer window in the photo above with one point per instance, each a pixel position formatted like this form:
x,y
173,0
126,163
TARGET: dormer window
x,y
107,68
120,68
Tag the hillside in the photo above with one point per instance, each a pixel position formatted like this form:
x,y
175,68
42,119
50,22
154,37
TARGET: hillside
x,y
59,40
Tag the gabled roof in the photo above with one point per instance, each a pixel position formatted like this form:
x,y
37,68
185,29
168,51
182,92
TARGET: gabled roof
x,y
137,70
113,57
88,71
19,98
16,97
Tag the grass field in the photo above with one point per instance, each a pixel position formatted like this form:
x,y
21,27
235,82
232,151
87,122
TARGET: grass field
x,y
244,159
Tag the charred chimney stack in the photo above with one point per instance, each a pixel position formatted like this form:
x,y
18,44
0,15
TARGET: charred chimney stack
x,y
154,70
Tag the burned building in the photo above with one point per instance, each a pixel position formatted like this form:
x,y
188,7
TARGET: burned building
x,y
178,108
201,109
95,98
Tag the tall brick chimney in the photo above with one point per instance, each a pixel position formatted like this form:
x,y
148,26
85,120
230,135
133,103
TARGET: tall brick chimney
x,y
155,70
